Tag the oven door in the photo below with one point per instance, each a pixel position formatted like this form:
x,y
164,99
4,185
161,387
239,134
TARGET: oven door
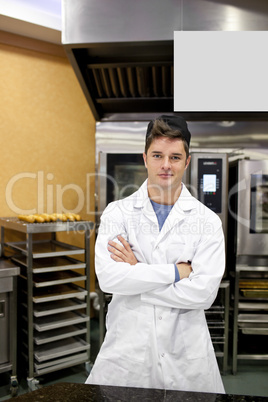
x,y
252,208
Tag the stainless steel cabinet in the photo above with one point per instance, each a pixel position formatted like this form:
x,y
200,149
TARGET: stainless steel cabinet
x,y
8,321
54,295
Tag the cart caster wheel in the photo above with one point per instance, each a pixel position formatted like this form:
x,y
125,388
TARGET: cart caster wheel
x,y
14,386
33,384
14,391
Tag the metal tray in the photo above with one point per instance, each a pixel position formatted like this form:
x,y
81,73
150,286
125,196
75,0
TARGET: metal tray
x,y
60,348
61,306
255,293
49,366
58,292
20,226
252,318
57,278
253,328
59,320
41,338
46,248
254,284
51,264
252,306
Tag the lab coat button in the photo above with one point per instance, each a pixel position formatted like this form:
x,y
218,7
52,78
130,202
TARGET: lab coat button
x,y
163,354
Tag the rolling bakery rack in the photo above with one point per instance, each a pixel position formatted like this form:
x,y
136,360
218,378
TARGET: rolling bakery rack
x,y
250,313
55,309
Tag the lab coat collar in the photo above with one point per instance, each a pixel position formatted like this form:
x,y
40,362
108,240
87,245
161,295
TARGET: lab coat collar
x,y
185,202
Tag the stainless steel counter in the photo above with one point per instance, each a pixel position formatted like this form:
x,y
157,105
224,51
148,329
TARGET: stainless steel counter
x,y
8,320
8,269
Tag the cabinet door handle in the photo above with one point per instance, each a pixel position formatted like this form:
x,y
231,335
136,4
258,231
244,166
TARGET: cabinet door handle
x,y
2,308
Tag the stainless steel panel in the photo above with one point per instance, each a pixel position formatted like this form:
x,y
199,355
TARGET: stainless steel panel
x,y
4,328
119,21
92,21
102,179
6,284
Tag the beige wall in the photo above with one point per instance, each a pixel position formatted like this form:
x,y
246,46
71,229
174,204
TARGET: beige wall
x,y
47,136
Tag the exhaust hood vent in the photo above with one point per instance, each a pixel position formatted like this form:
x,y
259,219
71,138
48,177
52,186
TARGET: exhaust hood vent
x,y
117,80
128,86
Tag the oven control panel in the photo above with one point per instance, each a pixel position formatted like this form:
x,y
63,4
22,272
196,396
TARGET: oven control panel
x,y
209,183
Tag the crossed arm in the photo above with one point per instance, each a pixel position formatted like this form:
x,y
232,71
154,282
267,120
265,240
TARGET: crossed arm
x,y
123,253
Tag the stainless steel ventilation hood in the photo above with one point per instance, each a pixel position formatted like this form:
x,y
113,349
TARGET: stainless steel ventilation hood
x,y
122,51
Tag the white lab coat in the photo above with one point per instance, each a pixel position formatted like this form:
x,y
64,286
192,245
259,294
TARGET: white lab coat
x,y
157,335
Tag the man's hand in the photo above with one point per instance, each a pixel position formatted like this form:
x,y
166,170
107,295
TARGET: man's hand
x,y
122,253
184,269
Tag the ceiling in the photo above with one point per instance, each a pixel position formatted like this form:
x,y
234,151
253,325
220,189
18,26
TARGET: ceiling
x,y
36,19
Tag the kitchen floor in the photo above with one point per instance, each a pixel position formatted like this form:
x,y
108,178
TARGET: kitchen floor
x,y
251,377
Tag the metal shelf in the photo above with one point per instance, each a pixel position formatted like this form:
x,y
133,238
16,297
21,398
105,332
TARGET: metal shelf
x,y
41,338
254,306
57,278
58,292
60,348
252,318
59,364
61,306
51,264
46,227
59,320
46,248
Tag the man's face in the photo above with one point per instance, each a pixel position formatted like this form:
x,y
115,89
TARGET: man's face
x,y
166,163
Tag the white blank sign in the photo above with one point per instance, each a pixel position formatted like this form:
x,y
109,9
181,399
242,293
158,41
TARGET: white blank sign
x,y
221,71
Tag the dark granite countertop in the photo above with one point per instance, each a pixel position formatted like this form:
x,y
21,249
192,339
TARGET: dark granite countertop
x,y
68,392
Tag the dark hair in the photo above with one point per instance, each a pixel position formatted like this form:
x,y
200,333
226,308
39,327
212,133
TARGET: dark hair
x,y
162,129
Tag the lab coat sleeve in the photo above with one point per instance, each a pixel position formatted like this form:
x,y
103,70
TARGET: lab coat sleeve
x,y
120,277
200,289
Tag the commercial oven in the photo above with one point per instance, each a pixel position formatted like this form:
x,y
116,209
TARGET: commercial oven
x,y
119,175
250,208
248,258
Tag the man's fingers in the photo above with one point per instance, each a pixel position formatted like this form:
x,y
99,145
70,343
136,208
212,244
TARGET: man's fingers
x,y
116,258
116,246
124,242
115,251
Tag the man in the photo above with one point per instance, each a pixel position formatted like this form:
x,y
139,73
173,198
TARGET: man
x,y
160,252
